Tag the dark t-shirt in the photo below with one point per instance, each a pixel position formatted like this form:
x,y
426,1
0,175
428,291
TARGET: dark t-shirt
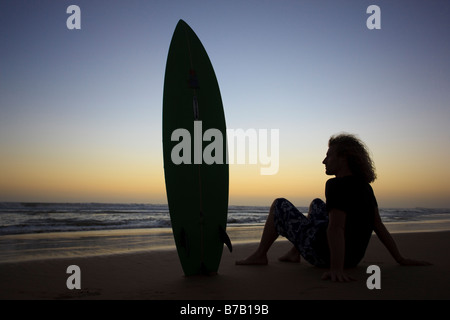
x,y
355,197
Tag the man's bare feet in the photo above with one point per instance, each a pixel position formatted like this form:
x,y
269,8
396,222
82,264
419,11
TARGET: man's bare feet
x,y
254,259
291,256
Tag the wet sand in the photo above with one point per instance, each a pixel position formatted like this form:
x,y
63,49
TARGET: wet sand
x,y
157,274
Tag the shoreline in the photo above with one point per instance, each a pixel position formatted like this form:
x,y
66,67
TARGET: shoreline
x,y
157,275
79,244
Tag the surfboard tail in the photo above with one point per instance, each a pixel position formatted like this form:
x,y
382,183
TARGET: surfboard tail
x,y
184,243
225,238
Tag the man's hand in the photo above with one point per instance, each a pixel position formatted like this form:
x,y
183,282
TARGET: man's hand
x,y
339,276
410,262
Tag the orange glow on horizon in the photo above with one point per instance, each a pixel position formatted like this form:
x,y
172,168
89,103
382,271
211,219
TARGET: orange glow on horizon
x,y
119,179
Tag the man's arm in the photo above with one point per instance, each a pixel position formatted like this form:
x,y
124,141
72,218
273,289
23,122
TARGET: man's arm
x,y
387,240
336,243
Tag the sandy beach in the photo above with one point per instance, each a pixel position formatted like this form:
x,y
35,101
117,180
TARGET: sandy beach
x,y
157,274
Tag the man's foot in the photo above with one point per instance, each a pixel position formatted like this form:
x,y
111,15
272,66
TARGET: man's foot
x,y
254,259
291,256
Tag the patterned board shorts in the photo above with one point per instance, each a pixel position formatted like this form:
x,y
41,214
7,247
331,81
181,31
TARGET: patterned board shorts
x,y
307,234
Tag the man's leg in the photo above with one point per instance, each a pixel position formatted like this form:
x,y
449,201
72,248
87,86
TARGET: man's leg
x,y
270,234
293,255
316,210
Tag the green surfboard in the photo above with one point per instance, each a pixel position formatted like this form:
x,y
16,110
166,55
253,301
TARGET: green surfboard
x,y
194,150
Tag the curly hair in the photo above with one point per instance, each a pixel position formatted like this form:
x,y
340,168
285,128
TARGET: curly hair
x,y
357,155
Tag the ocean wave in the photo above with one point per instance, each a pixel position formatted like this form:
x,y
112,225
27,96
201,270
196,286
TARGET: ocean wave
x,y
37,217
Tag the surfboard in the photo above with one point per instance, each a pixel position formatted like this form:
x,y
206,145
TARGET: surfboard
x,y
195,166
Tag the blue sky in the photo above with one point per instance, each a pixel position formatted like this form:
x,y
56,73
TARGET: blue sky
x,y
80,110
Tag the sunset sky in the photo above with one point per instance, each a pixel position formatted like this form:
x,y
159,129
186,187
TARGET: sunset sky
x,y
81,110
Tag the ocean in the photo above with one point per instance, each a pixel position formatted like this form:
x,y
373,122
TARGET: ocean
x,y
36,217
36,231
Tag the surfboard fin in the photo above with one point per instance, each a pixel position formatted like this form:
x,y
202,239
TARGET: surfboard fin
x,y
225,238
184,241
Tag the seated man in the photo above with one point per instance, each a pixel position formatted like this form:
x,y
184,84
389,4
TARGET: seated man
x,y
335,234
